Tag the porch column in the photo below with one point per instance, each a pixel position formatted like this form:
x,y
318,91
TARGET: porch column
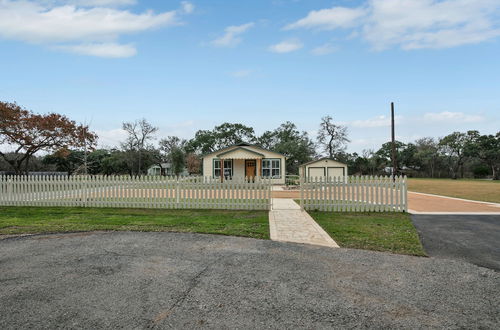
x,y
222,170
259,167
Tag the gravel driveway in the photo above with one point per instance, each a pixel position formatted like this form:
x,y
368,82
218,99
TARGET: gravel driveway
x,y
141,280
474,238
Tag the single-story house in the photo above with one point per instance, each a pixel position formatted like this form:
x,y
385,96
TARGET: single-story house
x,y
164,169
324,167
245,160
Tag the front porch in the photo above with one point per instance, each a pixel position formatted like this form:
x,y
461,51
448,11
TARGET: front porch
x,y
241,163
229,168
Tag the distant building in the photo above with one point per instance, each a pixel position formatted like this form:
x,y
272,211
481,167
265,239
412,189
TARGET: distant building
x,y
165,169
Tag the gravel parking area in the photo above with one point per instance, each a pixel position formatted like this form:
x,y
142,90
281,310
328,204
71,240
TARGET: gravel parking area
x,y
172,280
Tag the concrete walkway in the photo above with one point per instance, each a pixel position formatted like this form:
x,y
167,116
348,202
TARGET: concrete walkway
x,y
288,223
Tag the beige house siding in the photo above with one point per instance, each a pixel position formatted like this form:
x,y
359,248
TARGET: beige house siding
x,y
324,168
241,154
207,166
238,156
239,168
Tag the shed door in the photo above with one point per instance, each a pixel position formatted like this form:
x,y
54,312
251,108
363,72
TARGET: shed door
x,y
335,171
316,171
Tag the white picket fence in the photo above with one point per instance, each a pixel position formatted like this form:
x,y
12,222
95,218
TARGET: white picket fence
x,y
354,194
137,192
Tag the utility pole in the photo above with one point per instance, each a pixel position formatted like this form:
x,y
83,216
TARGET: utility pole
x,y
393,139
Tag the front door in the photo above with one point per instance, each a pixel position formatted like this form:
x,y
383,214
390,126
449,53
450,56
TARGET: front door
x,y
250,168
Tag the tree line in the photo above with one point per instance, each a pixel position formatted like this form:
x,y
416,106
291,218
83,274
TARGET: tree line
x,y
72,148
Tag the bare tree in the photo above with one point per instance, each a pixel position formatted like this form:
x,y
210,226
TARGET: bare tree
x,y
332,138
168,144
139,133
172,149
193,163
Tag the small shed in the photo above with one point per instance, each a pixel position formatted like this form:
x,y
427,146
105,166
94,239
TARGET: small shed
x,y
324,167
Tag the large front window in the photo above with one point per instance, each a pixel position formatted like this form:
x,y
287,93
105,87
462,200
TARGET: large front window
x,y
271,168
228,168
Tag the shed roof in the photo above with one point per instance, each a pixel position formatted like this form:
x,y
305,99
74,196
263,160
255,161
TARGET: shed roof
x,y
321,159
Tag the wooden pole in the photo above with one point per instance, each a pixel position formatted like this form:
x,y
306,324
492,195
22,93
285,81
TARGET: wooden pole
x,y
258,165
221,170
393,139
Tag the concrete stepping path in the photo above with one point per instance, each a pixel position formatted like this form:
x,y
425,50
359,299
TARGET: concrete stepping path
x,y
288,223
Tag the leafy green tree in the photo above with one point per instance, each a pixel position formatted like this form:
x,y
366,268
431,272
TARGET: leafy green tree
x,y
95,159
115,163
453,148
65,160
385,154
222,136
178,160
408,158
487,149
427,154
288,140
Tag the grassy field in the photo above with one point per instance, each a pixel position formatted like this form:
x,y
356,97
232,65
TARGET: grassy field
x,y
479,190
20,220
388,232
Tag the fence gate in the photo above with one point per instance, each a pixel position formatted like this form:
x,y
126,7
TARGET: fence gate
x,y
354,194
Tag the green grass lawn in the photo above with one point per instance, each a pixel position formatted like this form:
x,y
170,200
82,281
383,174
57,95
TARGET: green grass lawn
x,y
21,220
388,232
479,190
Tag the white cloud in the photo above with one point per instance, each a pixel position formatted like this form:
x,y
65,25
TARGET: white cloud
x,y
412,24
379,121
447,116
187,7
232,34
286,46
110,50
73,26
324,49
241,73
416,24
111,138
329,19
430,117
101,3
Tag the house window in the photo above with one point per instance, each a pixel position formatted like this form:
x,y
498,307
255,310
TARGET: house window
x,y
228,168
271,168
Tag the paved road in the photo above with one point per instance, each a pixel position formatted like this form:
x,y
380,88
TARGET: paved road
x,y
169,280
474,238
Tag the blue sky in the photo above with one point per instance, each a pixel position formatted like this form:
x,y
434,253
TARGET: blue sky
x,y
192,65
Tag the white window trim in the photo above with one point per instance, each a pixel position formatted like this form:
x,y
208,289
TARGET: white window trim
x,y
271,168
230,168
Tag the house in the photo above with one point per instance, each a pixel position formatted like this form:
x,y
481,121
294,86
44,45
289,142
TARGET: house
x,y
324,167
164,169
245,160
